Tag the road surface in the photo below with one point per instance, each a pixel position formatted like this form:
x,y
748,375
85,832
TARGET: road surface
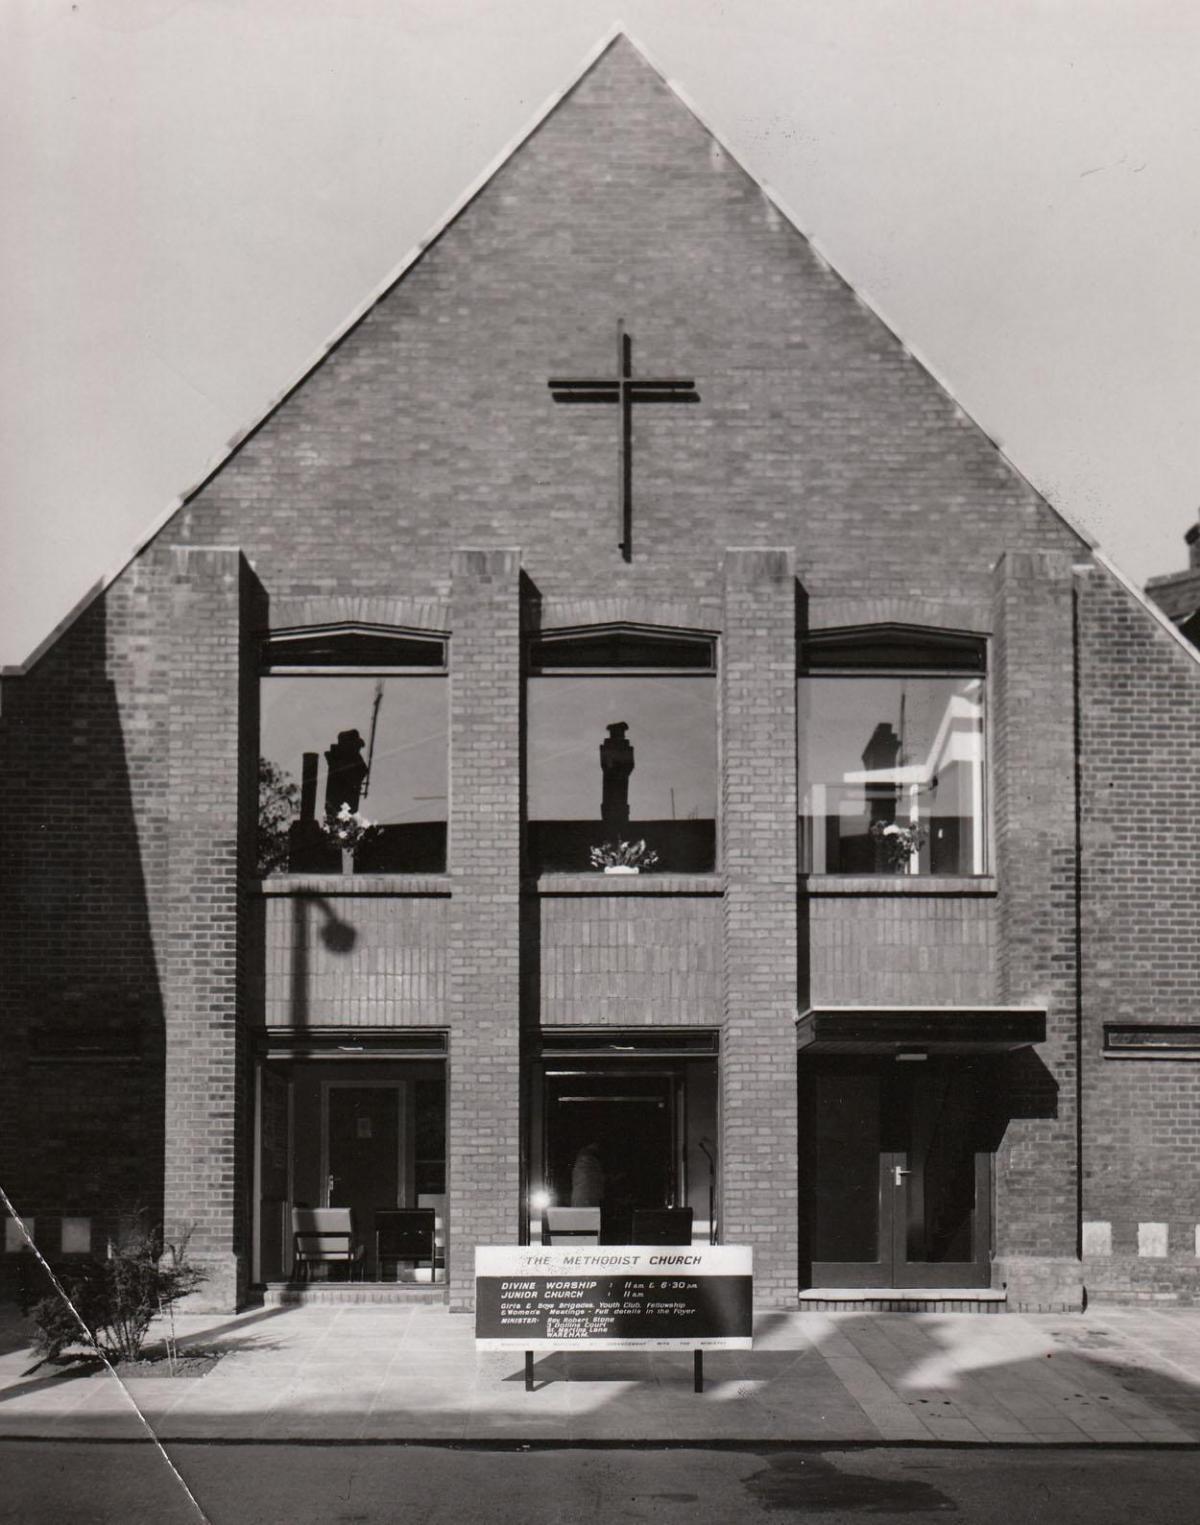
x,y
118,1483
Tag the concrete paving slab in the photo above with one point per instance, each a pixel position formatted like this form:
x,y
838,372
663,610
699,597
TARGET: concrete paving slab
x,y
1121,1376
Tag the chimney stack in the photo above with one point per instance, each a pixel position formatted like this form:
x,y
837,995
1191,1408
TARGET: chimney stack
x,y
1193,544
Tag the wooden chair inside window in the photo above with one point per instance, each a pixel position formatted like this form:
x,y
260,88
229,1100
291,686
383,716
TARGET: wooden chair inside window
x,y
571,1225
662,1225
325,1236
437,1201
404,1233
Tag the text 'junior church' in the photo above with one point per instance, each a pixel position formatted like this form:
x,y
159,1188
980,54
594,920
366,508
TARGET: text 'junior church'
x,y
614,737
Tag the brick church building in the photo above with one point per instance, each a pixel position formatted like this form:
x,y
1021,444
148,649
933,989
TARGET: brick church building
x,y
616,527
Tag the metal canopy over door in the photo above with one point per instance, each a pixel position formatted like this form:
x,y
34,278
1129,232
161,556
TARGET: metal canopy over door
x,y
896,1166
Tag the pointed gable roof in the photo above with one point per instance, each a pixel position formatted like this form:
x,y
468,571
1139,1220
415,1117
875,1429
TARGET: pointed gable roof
x,y
620,66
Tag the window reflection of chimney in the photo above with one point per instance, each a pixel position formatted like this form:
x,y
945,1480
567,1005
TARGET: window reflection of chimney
x,y
883,749
881,756
304,832
308,787
616,764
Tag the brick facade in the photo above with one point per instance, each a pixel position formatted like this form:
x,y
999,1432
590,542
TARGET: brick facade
x,y
391,488
758,806
1139,730
483,1124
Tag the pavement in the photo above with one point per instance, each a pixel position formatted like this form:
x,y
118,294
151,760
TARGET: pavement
x,y
1111,1376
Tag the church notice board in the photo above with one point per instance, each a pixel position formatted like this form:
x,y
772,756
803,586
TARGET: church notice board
x,y
614,1297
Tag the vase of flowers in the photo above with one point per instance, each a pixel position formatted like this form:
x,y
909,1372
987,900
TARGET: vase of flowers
x,y
900,843
348,830
623,857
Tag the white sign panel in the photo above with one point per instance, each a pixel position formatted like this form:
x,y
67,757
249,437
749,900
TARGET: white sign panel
x,y
614,1297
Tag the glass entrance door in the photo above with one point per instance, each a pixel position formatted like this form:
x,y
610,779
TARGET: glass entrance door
x,y
611,1143
364,1129
896,1172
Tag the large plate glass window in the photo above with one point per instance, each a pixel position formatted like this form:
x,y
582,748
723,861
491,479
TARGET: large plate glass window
x,y
353,751
622,748
891,748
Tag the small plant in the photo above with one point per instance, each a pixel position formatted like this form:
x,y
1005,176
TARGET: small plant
x,y
348,829
117,1299
899,842
623,855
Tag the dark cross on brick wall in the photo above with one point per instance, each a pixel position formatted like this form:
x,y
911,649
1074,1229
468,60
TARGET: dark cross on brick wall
x,y
626,389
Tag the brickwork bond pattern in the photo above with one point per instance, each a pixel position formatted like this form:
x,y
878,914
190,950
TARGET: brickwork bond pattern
x,y
431,425
82,912
1140,750
631,960
483,1121
759,1189
903,949
350,959
1033,697
205,1115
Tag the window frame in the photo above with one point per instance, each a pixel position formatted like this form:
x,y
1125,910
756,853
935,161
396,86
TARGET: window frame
x,y
272,663
830,654
540,645
581,634
348,629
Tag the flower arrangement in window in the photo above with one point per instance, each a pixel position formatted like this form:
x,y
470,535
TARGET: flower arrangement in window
x,y
348,829
623,857
899,842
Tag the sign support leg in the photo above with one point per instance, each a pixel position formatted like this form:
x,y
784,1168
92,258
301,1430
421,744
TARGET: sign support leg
x,y
697,1371
529,1371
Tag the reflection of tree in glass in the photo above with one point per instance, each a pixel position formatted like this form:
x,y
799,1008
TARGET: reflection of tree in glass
x,y
278,796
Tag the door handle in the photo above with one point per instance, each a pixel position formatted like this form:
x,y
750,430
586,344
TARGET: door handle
x,y
898,1174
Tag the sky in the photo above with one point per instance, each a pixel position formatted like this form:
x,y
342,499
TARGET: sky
x,y
197,193
407,755
672,730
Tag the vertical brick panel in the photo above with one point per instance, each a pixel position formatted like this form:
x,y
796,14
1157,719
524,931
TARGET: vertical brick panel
x,y
1140,714
204,1167
485,860
758,1043
389,972
902,949
635,960
1033,695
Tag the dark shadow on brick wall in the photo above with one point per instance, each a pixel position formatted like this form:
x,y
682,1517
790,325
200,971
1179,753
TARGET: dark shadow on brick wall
x,y
1027,1088
82,820
335,934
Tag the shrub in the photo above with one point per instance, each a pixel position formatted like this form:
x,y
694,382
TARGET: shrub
x,y
117,1298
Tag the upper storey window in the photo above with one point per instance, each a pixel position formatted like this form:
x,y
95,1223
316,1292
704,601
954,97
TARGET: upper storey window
x,y
353,751
622,747
891,752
